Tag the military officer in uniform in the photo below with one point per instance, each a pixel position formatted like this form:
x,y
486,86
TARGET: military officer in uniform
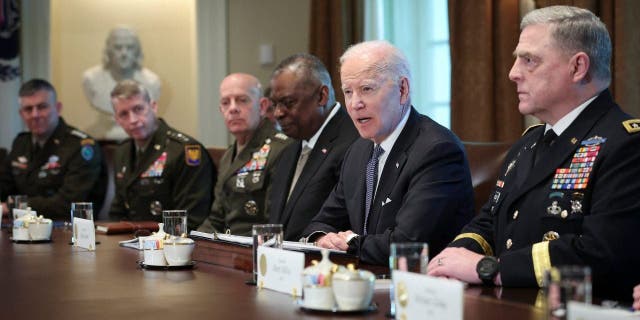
x,y
568,190
247,167
54,164
158,168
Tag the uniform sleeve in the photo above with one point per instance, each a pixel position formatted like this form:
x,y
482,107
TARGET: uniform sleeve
x,y
80,178
477,236
193,187
7,184
215,220
608,233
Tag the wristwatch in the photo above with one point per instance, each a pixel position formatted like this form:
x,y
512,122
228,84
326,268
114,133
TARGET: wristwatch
x,y
487,269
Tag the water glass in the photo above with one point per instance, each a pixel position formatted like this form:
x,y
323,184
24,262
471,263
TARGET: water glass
x,y
17,202
80,210
269,235
564,284
407,256
175,222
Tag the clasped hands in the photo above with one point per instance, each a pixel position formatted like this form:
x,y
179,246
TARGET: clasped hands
x,y
336,241
456,263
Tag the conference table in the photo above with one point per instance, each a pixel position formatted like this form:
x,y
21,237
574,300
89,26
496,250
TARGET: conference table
x,y
58,281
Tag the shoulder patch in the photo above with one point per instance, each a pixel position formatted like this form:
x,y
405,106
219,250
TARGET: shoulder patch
x,y
178,136
531,128
192,155
631,125
281,136
87,152
79,134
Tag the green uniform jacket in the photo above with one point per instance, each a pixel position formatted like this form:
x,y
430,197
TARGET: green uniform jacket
x,y
241,193
174,172
69,168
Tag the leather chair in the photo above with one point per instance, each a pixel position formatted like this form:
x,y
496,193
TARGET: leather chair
x,y
108,152
216,154
485,159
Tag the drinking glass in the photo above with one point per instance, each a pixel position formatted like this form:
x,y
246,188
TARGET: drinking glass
x,y
407,256
17,202
564,284
269,235
81,210
175,222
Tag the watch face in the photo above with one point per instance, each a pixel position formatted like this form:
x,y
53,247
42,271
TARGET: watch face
x,y
487,268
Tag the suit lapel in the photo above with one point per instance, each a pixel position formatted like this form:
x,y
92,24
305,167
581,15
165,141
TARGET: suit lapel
x,y
565,145
392,168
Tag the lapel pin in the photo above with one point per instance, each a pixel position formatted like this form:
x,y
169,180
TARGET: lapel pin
x,y
324,150
397,165
574,140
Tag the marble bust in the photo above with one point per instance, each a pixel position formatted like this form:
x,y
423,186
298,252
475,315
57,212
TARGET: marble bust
x,y
122,60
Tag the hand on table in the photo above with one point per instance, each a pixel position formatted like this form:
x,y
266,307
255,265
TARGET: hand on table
x,y
337,241
456,263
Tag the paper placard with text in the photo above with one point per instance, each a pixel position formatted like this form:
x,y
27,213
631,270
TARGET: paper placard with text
x,y
583,311
85,233
280,270
419,296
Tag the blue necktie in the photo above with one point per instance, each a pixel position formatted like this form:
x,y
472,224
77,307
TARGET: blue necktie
x,y
372,177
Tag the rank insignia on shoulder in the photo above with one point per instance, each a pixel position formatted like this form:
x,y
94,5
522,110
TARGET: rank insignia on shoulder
x,y
530,128
79,134
87,141
281,136
87,152
193,155
632,125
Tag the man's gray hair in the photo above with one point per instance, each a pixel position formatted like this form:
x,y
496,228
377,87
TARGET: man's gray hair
x,y
394,63
575,30
311,69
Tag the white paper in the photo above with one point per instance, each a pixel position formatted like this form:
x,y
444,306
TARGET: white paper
x,y
582,311
242,240
84,233
299,246
425,297
280,270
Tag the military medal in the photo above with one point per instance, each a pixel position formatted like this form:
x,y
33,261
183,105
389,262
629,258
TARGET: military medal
x,y
554,209
577,175
240,180
256,176
576,202
156,168
251,208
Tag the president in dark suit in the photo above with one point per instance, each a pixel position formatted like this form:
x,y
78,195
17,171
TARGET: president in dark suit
x,y
324,132
568,191
406,180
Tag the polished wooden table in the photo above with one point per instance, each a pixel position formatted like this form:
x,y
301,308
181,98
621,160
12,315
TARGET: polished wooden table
x,y
57,281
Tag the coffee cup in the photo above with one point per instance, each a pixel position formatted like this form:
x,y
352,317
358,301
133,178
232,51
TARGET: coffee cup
x,y
40,229
153,252
353,289
177,252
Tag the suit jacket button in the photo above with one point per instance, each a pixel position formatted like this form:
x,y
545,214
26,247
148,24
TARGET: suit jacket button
x,y
551,235
509,244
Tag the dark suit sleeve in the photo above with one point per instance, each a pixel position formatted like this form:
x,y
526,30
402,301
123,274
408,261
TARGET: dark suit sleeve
x,y
80,178
433,205
192,190
7,184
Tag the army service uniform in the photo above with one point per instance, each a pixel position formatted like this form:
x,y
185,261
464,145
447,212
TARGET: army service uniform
x,y
68,168
174,172
241,192
579,204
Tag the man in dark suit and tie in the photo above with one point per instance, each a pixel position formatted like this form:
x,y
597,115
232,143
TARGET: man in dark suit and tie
x,y
572,200
405,180
306,109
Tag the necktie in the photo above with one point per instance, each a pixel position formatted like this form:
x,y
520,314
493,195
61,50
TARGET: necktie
x,y
36,149
371,179
302,160
544,145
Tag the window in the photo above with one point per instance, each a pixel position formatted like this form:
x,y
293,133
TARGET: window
x,y
420,29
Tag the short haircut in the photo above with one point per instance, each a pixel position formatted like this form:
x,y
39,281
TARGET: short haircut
x,y
127,89
32,86
311,70
574,30
393,62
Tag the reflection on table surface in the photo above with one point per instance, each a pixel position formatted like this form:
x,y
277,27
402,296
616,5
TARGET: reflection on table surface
x,y
58,281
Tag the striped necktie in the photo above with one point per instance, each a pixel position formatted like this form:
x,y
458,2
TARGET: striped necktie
x,y
372,177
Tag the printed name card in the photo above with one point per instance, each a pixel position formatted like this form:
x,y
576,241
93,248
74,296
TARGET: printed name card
x,y
419,296
84,233
583,311
280,270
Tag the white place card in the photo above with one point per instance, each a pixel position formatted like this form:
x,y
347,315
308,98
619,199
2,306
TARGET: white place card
x,y
583,311
19,213
419,296
280,270
84,232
